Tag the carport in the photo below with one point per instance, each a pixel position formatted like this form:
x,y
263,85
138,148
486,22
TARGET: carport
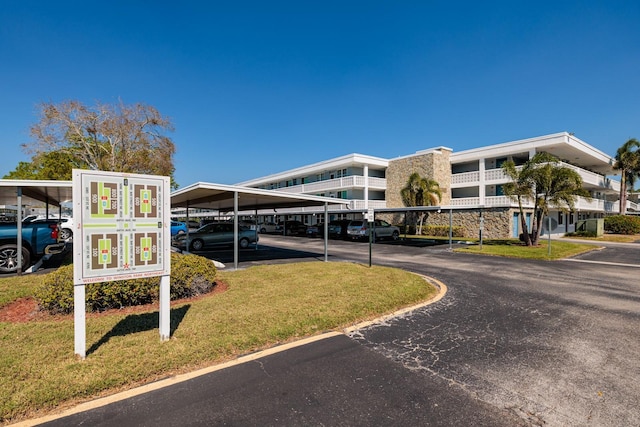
x,y
235,199
51,193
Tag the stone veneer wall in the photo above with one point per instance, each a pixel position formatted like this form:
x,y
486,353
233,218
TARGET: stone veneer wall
x,y
434,165
498,222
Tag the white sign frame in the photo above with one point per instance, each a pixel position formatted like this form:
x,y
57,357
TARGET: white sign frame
x,y
122,231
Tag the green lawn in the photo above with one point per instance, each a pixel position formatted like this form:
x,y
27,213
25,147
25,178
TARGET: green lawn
x,y
513,248
263,306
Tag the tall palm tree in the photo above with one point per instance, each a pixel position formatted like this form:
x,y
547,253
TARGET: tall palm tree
x,y
520,188
628,163
543,180
421,191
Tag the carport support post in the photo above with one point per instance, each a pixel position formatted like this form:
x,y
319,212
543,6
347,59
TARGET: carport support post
x,y
19,225
326,231
165,312
235,230
79,321
549,231
450,228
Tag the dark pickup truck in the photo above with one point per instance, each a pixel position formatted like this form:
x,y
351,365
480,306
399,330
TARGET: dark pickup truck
x,y
38,239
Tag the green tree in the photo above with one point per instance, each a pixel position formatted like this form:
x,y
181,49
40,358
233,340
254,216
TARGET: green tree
x,y
543,180
421,191
108,137
628,163
53,165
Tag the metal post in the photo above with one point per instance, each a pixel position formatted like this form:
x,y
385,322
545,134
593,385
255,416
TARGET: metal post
x,y
19,236
235,230
549,231
370,239
450,229
326,231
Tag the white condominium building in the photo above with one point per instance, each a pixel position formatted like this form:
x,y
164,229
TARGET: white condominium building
x,y
471,182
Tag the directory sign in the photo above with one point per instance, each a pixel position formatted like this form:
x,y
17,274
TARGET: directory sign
x,y
123,226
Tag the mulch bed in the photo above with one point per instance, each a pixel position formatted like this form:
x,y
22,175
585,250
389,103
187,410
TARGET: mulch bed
x,y
27,310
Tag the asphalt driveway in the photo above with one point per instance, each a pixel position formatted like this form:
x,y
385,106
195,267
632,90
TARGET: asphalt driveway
x,y
512,342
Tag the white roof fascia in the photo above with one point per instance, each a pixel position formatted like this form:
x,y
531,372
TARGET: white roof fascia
x,y
335,163
526,145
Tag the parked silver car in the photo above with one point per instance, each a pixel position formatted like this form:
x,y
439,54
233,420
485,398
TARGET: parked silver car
x,y
358,229
214,235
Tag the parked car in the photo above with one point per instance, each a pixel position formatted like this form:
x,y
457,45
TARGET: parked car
x,y
267,227
315,230
178,227
359,229
39,237
65,225
291,228
338,228
214,235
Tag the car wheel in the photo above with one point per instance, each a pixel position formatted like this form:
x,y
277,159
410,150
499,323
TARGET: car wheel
x,y
244,243
395,235
65,234
263,230
9,258
197,245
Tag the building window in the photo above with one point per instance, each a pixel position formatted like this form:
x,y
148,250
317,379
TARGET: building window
x,y
560,218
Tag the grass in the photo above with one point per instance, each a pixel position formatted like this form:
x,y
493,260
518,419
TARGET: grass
x,y
621,238
12,288
264,305
513,248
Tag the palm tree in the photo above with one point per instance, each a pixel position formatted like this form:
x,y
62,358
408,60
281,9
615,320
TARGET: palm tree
x,y
520,188
556,186
421,191
548,184
628,163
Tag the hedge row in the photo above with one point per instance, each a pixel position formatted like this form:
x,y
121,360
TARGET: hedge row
x,y
622,224
191,275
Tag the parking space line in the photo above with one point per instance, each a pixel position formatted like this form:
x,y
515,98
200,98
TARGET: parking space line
x,y
603,262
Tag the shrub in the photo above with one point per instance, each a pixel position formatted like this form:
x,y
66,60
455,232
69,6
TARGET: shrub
x,y
622,224
191,275
582,234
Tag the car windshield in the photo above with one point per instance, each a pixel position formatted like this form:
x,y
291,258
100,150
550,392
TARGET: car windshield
x,y
355,224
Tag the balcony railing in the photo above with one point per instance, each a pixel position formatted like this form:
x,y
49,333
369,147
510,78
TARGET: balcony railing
x,y
354,181
597,205
497,176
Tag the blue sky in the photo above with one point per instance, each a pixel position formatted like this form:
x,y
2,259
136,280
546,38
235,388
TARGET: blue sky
x,y
255,88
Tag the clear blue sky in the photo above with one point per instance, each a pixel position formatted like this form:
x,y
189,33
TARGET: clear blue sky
x,y
255,88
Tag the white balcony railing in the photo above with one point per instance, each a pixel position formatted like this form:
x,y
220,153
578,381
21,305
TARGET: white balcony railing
x,y
497,176
465,177
354,181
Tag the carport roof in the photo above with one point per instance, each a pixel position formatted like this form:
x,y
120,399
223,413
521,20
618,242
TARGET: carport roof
x,y
220,197
51,192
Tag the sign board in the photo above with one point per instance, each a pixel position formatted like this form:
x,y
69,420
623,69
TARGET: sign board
x,y
369,216
123,231
123,226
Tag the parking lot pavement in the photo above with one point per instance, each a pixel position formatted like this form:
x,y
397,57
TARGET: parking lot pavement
x,y
512,342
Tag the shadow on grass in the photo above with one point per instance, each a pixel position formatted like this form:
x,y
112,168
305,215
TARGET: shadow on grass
x,y
140,323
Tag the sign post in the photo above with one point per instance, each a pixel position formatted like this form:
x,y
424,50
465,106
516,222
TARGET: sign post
x,y
123,223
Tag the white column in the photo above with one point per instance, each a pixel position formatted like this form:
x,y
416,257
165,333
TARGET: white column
x,y
165,308
482,189
366,186
79,322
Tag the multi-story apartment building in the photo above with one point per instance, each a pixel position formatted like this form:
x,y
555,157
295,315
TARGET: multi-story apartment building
x,y
471,181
